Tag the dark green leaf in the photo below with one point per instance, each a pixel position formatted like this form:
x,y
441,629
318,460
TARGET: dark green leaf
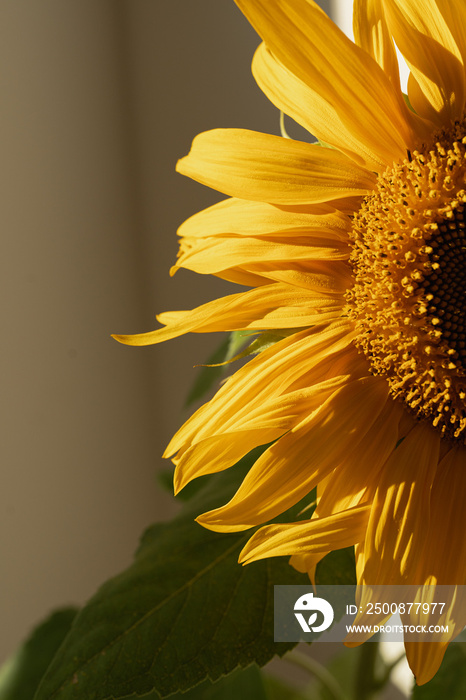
x,y
337,568
183,612
165,479
215,367
208,376
244,684
266,340
229,351
277,689
21,675
450,680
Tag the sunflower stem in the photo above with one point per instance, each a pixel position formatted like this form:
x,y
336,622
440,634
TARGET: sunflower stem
x,y
368,680
318,671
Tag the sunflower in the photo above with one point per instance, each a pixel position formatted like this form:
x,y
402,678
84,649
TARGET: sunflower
x,y
355,257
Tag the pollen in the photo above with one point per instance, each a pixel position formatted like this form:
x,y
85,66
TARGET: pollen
x,y
409,292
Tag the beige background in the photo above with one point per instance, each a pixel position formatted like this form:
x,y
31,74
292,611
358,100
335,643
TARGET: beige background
x,y
99,99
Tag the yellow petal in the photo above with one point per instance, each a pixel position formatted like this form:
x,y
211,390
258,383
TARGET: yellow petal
x,y
293,465
371,34
366,595
444,556
317,276
424,659
225,240
215,254
323,277
295,360
318,535
307,563
268,307
241,217
282,307
400,511
310,45
310,109
360,561
359,471
255,166
352,482
430,35
247,278
263,423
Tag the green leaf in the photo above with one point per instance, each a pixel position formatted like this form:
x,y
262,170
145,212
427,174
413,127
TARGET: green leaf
x,y
236,342
277,689
337,568
212,372
208,376
450,680
230,351
183,612
165,480
247,684
21,675
266,340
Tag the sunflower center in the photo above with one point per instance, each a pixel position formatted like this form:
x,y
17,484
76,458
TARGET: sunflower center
x,y
409,292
